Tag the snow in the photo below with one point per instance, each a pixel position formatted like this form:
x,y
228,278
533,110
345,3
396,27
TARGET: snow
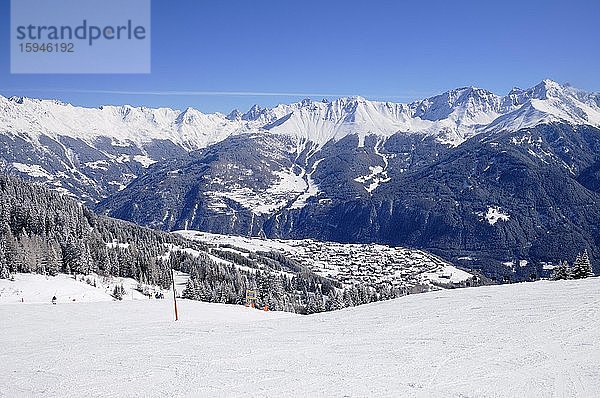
x,y
115,244
287,185
548,102
350,263
494,214
97,165
523,263
33,288
124,125
250,244
531,339
312,188
447,274
451,117
145,161
33,170
372,181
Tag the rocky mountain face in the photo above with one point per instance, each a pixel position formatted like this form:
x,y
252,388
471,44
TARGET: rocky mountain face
x,y
502,183
500,200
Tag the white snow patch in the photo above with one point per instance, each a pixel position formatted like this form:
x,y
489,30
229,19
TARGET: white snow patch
x,y
447,274
523,263
97,165
145,161
494,214
287,185
33,170
34,288
115,244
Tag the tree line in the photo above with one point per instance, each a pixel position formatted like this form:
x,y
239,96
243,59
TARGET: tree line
x,y
581,268
45,232
276,287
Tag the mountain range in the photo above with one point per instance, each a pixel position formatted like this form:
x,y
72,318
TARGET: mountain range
x,y
506,184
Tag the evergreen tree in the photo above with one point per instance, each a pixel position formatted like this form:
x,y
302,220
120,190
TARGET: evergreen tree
x,y
319,302
348,299
562,271
334,301
191,291
582,267
118,292
45,232
4,273
311,305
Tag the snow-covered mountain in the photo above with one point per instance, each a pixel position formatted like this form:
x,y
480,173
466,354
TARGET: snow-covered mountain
x,y
94,152
463,112
547,102
430,174
124,125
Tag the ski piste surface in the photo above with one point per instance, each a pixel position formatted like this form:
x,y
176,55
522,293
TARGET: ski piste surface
x,y
537,339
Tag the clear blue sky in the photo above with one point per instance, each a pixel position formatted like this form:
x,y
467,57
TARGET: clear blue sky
x,y
391,50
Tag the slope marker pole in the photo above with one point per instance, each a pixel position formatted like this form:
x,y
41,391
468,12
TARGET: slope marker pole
x,y
174,295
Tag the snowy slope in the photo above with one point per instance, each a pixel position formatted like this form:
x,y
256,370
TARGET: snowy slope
x,y
31,118
547,102
34,288
524,340
460,113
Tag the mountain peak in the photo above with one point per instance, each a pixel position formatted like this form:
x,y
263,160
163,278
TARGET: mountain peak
x,y
549,83
546,88
234,115
253,114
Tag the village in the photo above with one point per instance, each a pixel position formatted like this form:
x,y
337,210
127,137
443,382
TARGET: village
x,y
373,264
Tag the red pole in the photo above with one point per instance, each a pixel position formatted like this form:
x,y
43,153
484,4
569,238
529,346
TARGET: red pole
x,y
174,295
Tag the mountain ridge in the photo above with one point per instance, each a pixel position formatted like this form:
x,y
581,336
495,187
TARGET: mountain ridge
x,y
462,109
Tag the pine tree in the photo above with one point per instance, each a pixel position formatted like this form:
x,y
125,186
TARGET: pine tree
x,y
191,291
348,300
582,268
319,304
587,265
311,304
334,301
4,273
562,271
44,232
118,292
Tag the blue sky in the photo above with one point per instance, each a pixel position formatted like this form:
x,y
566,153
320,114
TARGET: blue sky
x,y
288,50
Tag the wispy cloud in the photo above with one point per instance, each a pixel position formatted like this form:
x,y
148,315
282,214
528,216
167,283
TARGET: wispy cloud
x,y
183,93
179,93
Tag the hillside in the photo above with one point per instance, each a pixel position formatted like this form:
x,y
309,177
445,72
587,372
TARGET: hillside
x,y
531,339
36,288
480,179
47,233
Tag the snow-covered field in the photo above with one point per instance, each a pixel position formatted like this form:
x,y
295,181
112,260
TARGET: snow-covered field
x,y
525,340
35,289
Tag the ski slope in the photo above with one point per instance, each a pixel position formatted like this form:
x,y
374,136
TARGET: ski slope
x,y
524,340
35,289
